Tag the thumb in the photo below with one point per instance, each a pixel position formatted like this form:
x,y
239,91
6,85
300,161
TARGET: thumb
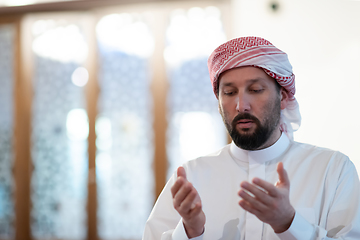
x,y
181,172
283,176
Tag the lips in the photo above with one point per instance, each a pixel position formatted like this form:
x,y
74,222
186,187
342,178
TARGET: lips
x,y
245,123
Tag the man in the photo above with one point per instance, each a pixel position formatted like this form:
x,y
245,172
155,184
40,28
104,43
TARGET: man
x,y
263,185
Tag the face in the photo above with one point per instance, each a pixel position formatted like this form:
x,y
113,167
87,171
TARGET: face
x,y
250,105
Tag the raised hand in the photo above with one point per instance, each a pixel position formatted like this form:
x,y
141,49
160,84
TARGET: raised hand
x,y
271,204
187,202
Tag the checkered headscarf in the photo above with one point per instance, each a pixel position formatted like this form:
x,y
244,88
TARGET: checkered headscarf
x,y
258,52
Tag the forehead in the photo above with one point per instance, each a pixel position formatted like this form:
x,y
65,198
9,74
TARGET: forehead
x,y
244,75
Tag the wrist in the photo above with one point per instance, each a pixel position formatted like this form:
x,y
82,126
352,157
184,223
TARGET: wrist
x,y
192,232
285,226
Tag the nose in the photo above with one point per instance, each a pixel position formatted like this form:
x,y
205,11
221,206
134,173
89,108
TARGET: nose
x,y
242,103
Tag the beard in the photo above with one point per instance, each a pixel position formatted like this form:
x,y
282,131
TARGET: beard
x,y
262,132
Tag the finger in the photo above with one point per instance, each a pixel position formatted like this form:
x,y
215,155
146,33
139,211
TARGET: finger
x,y
181,172
177,185
268,187
248,207
181,195
253,202
196,210
189,202
179,181
254,190
283,176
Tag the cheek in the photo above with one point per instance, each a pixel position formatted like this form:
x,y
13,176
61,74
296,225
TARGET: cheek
x,y
272,108
228,103
261,105
224,111
228,109
269,107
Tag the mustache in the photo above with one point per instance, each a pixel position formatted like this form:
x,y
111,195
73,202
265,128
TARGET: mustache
x,y
241,116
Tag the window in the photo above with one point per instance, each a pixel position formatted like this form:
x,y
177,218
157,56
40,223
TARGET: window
x,y
124,126
7,184
195,125
110,104
60,130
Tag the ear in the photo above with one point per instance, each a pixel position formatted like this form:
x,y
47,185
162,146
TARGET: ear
x,y
284,98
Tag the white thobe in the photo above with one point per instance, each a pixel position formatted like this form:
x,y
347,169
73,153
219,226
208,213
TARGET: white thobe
x,y
324,190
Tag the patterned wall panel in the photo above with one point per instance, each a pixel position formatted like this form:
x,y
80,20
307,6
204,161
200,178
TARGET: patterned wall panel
x,y
7,214
195,125
59,137
124,128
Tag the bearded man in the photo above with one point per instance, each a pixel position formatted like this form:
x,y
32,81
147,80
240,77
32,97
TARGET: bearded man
x,y
243,190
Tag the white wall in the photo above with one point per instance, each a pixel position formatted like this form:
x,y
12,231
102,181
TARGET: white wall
x,y
322,39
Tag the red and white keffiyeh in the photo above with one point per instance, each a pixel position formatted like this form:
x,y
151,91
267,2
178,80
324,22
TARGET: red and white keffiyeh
x,y
258,52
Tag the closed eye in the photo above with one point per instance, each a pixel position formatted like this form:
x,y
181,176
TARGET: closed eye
x,y
229,93
257,90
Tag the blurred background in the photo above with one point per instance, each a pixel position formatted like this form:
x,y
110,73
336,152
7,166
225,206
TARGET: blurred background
x,y
101,100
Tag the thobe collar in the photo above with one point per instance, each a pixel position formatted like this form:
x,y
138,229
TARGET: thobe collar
x,y
263,155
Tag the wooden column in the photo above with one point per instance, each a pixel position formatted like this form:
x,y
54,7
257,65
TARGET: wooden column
x,y
159,89
23,163
92,95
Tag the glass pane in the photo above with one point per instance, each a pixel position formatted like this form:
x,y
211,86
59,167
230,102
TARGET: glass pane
x,y
124,127
7,214
195,125
59,133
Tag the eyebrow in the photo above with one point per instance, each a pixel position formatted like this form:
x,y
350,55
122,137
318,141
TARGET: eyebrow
x,y
254,80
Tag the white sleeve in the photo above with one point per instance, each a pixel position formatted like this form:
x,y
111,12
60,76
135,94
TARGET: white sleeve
x,y
343,219
179,233
299,229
